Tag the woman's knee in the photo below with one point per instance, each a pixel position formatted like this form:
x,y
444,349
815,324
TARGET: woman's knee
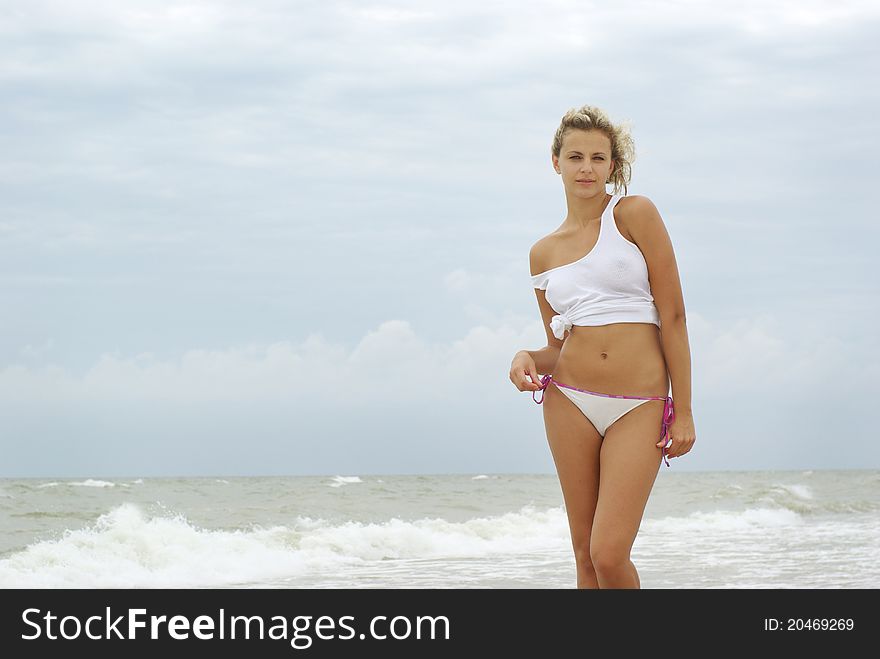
x,y
583,559
608,557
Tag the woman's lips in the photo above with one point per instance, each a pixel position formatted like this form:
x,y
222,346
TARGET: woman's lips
x,y
586,182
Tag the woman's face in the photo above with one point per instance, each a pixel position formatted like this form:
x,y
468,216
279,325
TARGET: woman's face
x,y
584,162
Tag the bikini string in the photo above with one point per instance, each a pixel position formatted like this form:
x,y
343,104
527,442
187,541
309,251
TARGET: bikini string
x,y
545,380
668,413
668,418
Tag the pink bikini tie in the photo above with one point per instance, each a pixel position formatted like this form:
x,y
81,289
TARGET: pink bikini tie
x,y
668,407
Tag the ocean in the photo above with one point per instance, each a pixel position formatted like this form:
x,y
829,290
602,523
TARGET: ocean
x,y
772,529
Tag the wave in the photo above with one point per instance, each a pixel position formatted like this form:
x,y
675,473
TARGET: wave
x,y
727,520
796,497
339,481
126,548
800,498
90,482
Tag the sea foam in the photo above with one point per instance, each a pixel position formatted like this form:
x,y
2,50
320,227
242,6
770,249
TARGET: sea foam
x,y
128,548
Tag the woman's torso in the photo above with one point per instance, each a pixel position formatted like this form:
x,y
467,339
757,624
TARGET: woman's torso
x,y
621,358
625,359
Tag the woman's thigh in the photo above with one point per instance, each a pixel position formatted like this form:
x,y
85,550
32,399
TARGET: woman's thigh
x,y
575,445
628,464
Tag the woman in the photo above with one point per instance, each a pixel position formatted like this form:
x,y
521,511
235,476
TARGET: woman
x,y
607,282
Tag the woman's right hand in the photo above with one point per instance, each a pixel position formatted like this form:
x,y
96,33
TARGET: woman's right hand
x,y
523,372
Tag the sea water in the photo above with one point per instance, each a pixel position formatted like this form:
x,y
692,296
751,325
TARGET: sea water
x,y
784,529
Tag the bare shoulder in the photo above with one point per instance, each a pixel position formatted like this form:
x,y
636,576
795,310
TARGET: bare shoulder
x,y
539,252
637,213
635,206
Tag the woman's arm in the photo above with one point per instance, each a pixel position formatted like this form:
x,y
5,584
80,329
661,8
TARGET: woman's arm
x,y
644,223
545,358
676,350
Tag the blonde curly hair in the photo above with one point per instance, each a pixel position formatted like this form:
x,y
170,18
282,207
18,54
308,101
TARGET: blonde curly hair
x,y
589,117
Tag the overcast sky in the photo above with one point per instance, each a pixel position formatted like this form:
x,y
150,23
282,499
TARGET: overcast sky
x,y
292,237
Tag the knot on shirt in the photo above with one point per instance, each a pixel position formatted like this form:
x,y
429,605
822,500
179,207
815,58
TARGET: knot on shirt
x,y
560,324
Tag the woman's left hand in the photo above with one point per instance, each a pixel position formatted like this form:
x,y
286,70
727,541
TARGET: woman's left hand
x,y
682,435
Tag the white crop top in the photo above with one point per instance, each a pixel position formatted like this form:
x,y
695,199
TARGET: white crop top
x,y
607,285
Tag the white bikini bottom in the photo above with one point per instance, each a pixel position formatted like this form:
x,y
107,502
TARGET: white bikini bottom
x,y
601,411
604,409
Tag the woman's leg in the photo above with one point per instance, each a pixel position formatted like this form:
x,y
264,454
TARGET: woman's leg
x,y
575,444
628,464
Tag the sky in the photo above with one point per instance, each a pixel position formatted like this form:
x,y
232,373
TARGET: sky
x,y
291,238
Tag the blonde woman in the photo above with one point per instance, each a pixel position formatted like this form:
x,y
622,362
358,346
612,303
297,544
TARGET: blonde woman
x,y
610,298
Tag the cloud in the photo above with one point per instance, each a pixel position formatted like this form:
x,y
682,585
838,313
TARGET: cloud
x,y
761,356
390,361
